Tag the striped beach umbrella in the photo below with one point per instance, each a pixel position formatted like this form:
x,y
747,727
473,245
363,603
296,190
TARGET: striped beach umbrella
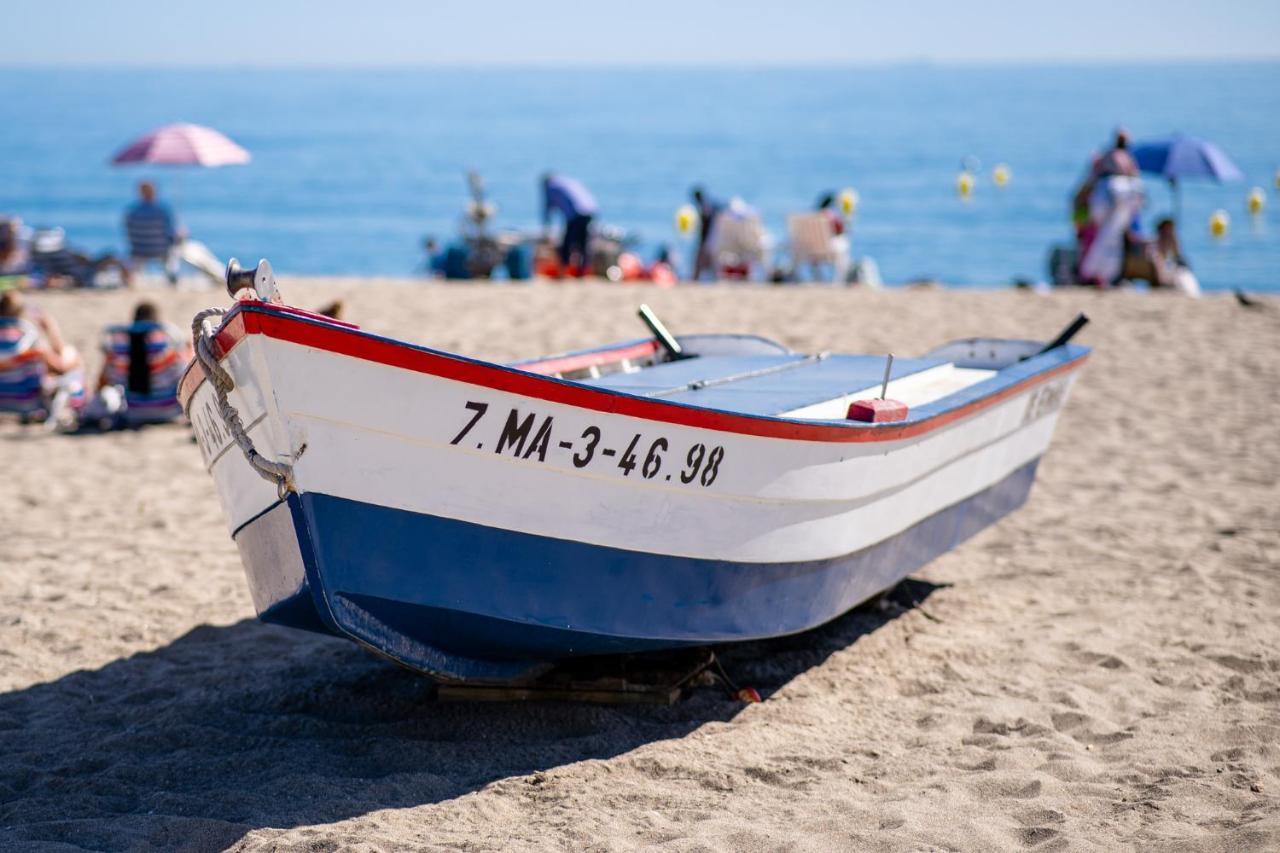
x,y
183,145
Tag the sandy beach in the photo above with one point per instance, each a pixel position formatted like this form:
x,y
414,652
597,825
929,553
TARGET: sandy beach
x,y
1100,670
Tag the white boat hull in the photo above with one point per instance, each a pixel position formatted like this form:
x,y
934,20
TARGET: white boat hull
x,y
502,515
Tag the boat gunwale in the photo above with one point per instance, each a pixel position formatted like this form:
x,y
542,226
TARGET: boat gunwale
x,y
247,318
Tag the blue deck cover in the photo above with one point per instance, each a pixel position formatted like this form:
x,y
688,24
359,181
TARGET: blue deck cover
x,y
759,384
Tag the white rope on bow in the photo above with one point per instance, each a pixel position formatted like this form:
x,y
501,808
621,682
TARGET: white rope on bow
x,y
280,473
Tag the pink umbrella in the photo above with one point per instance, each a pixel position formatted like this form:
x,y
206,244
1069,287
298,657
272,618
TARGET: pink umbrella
x,y
183,145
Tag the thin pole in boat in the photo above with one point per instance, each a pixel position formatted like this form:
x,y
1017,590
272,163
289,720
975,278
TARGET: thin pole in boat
x,y
668,341
888,368
1066,334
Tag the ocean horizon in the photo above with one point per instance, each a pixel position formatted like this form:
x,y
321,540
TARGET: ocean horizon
x,y
353,167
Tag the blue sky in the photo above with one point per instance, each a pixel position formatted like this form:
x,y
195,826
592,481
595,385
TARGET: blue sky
x,y
652,32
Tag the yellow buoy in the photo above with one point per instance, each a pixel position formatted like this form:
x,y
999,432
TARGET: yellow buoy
x,y
1278,179
686,219
849,202
1256,201
964,184
1219,223
1001,175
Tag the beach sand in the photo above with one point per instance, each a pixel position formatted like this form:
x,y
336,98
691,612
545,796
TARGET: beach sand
x,y
1100,670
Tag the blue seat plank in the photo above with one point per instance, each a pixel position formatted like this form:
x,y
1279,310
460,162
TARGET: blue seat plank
x,y
671,376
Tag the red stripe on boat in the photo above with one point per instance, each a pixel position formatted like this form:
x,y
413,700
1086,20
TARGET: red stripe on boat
x,y
344,339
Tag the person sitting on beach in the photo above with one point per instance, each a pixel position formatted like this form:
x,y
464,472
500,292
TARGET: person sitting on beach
x,y
708,209
1171,268
577,205
143,363
433,265
827,207
40,375
663,270
152,234
55,263
837,244
48,345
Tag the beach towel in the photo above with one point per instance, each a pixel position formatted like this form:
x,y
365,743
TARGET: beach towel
x,y
1114,204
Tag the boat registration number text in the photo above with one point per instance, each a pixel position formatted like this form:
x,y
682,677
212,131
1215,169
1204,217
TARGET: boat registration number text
x,y
527,435
211,433
1045,400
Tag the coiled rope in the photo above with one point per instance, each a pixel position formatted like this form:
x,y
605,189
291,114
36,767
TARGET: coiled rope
x,y
202,332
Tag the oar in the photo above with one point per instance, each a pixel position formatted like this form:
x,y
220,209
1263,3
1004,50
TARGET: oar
x,y
1063,337
674,351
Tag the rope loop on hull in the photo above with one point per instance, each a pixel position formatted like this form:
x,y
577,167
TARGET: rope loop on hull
x,y
202,332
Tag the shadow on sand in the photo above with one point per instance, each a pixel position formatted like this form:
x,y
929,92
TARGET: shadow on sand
x,y
228,729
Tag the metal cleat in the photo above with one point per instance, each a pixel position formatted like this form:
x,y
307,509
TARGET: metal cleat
x,y
257,283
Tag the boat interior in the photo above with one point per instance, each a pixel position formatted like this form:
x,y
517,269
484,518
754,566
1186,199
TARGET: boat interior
x,y
752,375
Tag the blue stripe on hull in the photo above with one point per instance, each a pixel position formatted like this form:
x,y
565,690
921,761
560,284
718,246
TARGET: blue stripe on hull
x,y
464,601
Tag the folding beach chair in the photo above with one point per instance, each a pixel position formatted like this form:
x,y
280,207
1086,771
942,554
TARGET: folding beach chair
x,y
146,362
22,371
814,243
737,243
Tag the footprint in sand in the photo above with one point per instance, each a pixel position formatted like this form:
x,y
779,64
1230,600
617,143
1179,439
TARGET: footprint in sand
x,y
1038,817
1247,666
1069,721
1020,726
1084,656
1008,787
1080,727
1034,836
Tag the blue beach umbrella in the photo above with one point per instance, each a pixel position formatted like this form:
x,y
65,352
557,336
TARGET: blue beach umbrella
x,y
1181,157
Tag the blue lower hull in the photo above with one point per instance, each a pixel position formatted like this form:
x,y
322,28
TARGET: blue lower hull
x,y
464,601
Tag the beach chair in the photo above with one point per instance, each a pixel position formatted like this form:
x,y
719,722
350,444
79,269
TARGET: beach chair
x,y
22,371
27,390
814,243
146,362
737,243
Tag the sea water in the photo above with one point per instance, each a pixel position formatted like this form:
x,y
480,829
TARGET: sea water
x,y
351,169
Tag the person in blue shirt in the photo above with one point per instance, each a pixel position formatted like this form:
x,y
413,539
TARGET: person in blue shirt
x,y
577,205
151,232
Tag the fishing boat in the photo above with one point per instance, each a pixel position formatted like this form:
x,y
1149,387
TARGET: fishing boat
x,y
480,522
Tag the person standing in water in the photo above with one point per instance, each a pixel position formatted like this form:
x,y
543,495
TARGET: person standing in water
x,y
577,205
